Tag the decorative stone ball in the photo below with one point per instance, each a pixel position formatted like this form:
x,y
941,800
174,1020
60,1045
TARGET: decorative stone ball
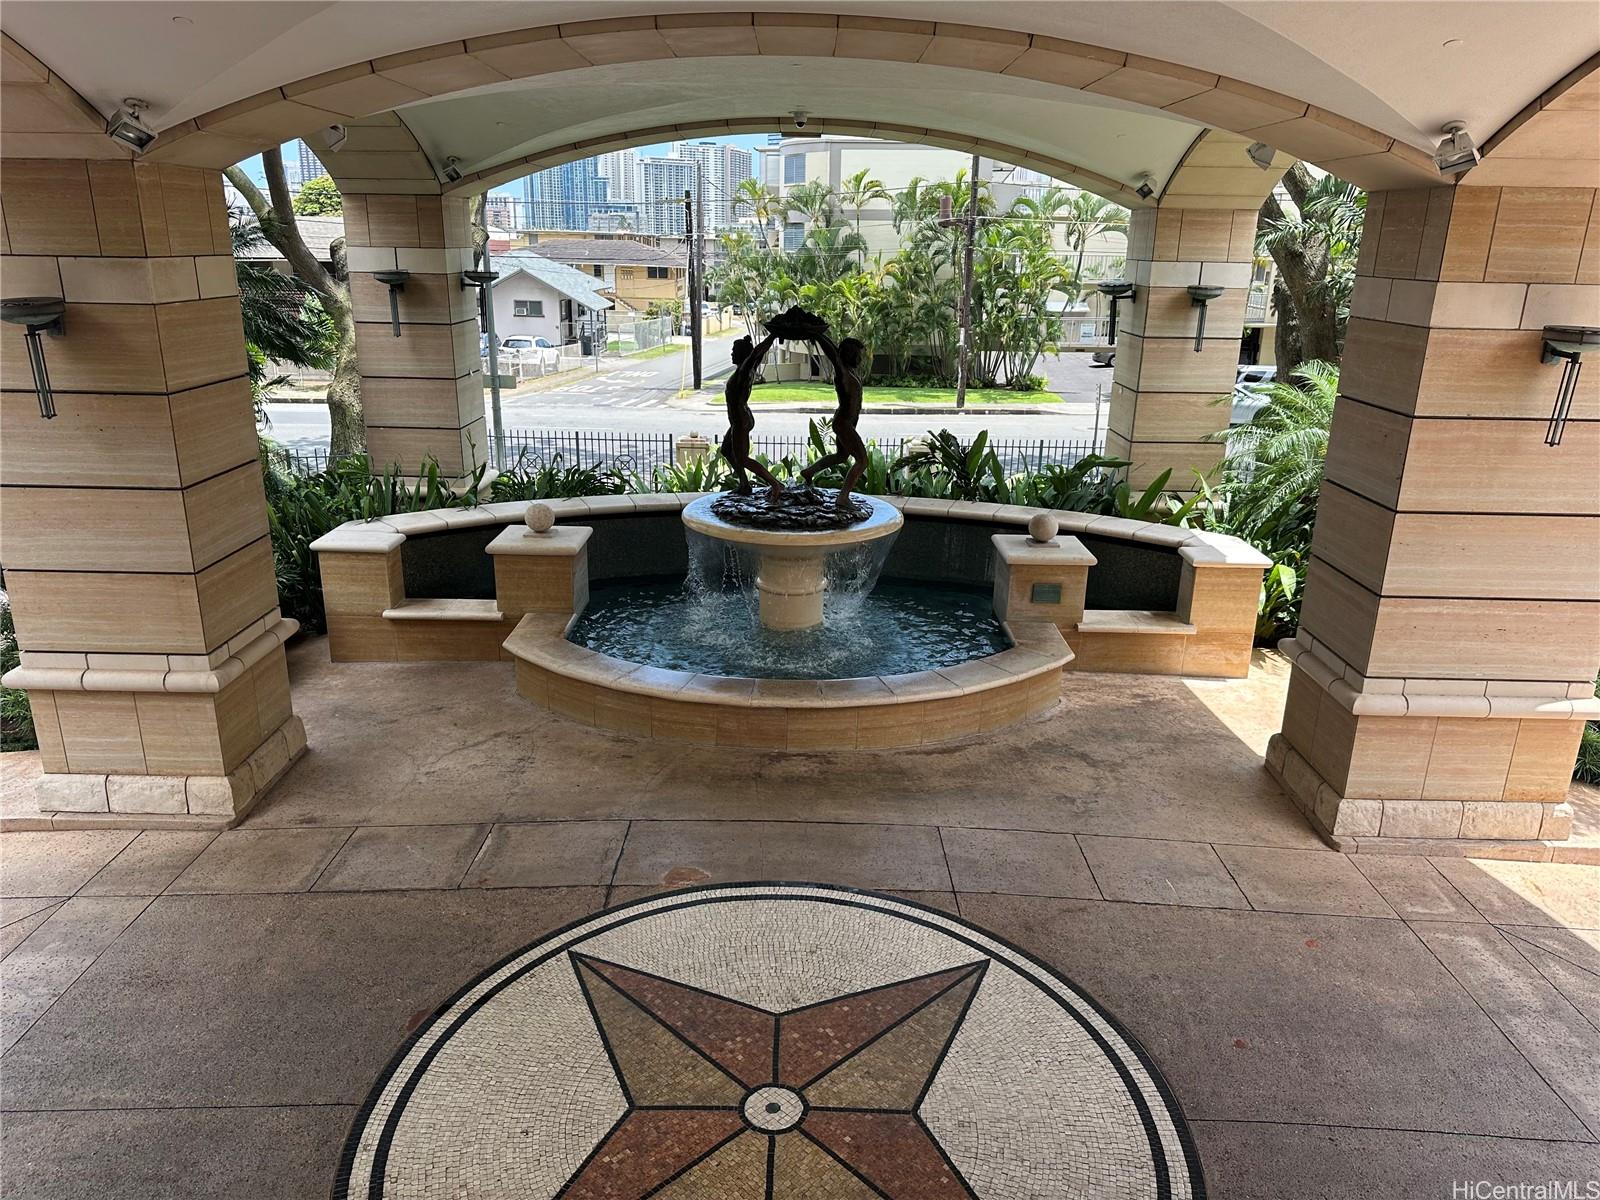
x,y
1042,527
540,517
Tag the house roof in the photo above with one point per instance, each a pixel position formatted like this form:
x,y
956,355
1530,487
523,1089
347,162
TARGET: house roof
x,y
574,285
318,234
625,251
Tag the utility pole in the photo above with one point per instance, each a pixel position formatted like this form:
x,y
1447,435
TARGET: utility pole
x,y
694,218
486,300
964,317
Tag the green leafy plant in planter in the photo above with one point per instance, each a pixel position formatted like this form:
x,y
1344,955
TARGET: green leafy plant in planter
x,y
16,716
1587,768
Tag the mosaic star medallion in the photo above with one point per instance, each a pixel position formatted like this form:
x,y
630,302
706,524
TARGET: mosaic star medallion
x,y
770,1042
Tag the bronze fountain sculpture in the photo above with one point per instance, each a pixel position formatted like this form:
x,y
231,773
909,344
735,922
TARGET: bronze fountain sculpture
x,y
806,507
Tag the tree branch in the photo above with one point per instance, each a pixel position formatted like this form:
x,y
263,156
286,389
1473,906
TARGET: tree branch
x,y
276,218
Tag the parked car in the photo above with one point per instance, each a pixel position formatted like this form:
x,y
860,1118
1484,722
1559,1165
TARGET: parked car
x,y
528,348
1249,392
1104,358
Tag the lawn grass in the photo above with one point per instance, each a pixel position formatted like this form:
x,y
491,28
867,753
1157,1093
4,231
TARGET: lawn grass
x,y
929,397
653,352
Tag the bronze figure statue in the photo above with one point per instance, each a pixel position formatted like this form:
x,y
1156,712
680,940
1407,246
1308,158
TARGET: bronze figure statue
x,y
845,357
736,442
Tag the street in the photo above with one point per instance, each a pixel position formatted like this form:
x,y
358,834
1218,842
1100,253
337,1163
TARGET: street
x,y
641,398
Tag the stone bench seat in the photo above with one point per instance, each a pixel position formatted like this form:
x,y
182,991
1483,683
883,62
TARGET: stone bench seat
x,y
445,610
1134,620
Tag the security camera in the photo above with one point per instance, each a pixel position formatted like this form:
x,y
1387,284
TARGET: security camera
x,y
799,118
1147,185
127,127
1457,154
336,136
452,169
1261,154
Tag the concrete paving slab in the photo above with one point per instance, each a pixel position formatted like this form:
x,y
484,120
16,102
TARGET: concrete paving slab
x,y
1414,888
55,954
1549,1031
393,858
43,863
1289,1017
1028,864
148,864
1517,893
884,857
1570,965
548,854
174,1154
943,901
18,908
261,860
1152,871
1315,881
16,932
1271,1161
268,999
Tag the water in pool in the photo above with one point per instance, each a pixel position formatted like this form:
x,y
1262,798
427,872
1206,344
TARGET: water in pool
x,y
895,629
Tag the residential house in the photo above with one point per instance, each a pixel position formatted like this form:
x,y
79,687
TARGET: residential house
x,y
536,297
631,272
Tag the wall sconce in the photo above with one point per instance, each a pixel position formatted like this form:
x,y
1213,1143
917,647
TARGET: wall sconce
x,y
478,279
1199,297
1114,290
37,315
396,281
1565,344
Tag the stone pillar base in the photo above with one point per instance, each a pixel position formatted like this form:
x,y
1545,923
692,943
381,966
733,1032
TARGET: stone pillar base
x,y
170,801
1527,831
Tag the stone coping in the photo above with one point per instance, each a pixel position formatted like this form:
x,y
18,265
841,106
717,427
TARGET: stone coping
x,y
1133,620
1018,550
559,541
1509,699
445,610
244,650
1197,547
540,639
885,519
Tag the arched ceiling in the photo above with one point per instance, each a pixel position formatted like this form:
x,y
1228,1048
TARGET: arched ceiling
x,y
1102,90
520,120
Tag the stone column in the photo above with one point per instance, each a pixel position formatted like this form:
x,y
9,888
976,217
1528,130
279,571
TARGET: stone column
x,y
1450,632
134,524
422,393
1161,397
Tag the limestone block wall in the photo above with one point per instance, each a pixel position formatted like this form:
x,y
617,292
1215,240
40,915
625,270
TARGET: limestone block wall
x,y
133,526
1450,632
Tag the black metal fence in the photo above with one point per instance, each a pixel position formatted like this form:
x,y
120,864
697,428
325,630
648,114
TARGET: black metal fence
x,y
642,452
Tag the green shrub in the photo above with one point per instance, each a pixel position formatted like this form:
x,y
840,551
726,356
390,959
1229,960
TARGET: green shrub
x,y
16,717
1587,768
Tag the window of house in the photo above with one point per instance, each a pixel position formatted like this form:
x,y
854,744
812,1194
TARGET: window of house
x,y
656,272
598,270
794,235
794,168
527,308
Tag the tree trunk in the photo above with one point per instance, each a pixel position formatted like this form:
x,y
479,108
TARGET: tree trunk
x,y
1307,328
346,418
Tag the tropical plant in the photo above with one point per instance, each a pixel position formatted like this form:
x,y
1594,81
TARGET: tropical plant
x,y
1270,481
1587,768
318,197
860,190
763,204
16,715
281,322
1314,243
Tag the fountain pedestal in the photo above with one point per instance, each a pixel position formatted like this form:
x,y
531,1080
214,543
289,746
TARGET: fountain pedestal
x,y
791,576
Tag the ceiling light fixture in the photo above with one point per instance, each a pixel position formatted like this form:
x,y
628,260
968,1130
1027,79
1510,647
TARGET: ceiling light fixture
x,y
1146,185
452,169
336,136
1261,154
36,315
127,125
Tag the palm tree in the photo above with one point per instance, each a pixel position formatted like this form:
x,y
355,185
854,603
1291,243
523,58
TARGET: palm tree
x,y
764,205
1089,216
814,201
860,190
281,322
1315,245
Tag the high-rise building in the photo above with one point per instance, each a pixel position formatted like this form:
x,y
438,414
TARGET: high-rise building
x,y
722,169
620,170
310,165
563,197
662,183
500,211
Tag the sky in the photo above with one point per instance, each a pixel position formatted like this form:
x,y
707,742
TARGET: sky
x,y
253,168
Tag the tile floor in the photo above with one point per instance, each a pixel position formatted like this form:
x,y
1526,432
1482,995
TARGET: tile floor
x,y
188,1014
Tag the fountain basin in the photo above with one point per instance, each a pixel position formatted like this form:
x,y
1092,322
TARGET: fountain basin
x,y
791,576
